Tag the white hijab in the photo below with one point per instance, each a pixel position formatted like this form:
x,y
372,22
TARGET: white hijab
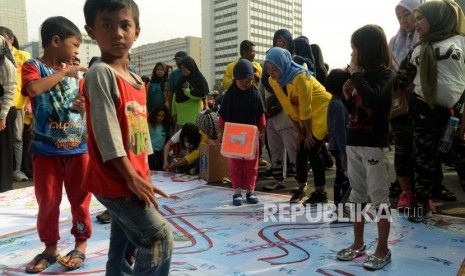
x,y
400,44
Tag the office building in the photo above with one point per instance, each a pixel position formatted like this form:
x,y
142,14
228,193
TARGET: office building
x,y
13,16
226,23
144,57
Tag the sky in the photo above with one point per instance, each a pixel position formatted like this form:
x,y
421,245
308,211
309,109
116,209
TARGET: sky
x,y
328,23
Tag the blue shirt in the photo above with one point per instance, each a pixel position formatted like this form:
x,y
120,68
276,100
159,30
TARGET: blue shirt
x,y
58,130
157,137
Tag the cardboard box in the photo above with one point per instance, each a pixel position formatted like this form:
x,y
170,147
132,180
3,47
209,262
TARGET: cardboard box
x,y
213,166
239,141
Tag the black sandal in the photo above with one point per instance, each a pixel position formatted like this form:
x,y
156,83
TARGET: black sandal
x,y
72,255
39,257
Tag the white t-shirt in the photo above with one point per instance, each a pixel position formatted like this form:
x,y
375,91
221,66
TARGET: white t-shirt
x,y
176,138
451,70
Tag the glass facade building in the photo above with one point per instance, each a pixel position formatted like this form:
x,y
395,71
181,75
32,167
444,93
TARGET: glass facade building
x,y
226,23
13,16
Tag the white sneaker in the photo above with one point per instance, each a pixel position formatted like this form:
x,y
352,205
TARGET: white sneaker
x,y
19,176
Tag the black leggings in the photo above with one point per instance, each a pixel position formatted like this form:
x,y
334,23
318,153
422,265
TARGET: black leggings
x,y
316,162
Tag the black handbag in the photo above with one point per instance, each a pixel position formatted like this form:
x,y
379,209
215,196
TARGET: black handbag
x,y
272,106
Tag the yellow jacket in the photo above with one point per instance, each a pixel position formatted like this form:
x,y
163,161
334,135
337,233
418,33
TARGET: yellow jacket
x,y
195,154
228,74
306,99
19,101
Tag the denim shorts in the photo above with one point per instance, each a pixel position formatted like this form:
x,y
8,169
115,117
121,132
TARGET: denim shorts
x,y
135,225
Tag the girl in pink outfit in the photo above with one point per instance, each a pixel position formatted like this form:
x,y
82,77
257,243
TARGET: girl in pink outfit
x,y
242,104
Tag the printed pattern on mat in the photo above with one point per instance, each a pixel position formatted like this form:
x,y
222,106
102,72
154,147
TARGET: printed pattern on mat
x,y
213,237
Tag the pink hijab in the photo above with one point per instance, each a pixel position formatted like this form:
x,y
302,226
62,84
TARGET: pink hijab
x,y
400,45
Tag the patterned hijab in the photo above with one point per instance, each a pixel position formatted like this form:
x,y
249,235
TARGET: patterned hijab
x,y
445,20
282,59
207,122
403,42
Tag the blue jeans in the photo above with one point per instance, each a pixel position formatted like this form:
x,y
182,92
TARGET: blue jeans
x,y
140,229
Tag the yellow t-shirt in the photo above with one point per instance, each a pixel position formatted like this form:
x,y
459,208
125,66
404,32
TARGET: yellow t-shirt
x,y
19,101
306,99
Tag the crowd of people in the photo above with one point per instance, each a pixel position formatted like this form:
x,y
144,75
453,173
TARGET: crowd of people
x,y
106,117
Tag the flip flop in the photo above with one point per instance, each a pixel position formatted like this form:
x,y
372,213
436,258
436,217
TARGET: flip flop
x,y
39,257
72,255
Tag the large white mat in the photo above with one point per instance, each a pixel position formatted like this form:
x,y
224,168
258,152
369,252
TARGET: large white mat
x,y
212,237
18,208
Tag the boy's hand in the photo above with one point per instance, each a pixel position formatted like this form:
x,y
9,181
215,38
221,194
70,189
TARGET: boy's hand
x,y
72,71
156,190
145,191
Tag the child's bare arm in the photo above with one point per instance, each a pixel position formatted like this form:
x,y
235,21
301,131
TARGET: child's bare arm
x,y
39,86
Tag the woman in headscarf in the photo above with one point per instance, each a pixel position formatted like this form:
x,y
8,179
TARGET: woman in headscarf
x,y
303,54
7,114
23,107
406,37
155,88
401,126
280,131
188,93
306,101
438,72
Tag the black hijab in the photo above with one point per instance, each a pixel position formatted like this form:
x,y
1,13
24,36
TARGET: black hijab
x,y
303,53
287,37
238,106
154,78
195,81
321,72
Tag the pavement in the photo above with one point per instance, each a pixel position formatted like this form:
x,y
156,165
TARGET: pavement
x,y
452,208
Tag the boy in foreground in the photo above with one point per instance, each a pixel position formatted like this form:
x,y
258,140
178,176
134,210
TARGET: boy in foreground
x,y
119,143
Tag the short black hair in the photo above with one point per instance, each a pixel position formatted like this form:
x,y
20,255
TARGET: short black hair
x,y
192,133
335,80
58,26
92,7
245,46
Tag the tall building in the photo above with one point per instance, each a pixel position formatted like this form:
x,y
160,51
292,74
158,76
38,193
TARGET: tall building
x,y
226,23
13,16
144,57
